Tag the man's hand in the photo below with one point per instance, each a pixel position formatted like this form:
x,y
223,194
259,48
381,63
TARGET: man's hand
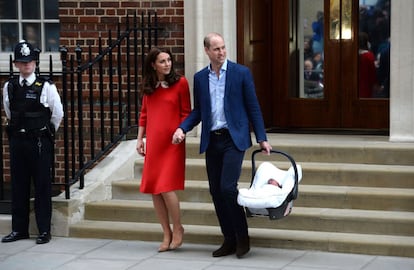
x,y
178,136
266,147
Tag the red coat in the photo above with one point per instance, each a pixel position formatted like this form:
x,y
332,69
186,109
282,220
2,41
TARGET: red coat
x,y
367,74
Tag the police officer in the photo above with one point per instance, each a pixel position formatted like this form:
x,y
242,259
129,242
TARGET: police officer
x,y
34,112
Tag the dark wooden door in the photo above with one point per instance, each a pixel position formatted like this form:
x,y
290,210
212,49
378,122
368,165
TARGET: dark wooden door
x,y
255,39
266,32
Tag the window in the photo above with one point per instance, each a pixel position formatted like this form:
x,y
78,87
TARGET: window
x,y
36,21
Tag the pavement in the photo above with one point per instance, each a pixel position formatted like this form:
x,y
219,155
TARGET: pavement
x,y
102,254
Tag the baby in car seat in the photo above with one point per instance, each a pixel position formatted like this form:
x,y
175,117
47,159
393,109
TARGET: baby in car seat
x,y
274,182
269,188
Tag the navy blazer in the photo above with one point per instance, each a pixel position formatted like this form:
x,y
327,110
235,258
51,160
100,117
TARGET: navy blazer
x,y
241,107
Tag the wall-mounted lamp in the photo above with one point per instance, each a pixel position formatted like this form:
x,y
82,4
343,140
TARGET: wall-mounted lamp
x,y
340,19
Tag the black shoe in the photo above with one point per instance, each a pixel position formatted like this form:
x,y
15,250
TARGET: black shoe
x,y
227,248
243,246
14,236
43,238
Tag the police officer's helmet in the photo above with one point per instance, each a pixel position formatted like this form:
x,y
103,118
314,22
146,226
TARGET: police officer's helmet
x,y
24,52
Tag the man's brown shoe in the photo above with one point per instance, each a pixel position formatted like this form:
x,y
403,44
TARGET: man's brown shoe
x,y
243,246
226,249
14,236
43,238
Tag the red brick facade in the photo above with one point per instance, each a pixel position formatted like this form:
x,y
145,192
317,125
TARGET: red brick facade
x,y
83,22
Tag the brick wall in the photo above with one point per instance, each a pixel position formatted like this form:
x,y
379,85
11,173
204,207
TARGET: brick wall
x,y
82,22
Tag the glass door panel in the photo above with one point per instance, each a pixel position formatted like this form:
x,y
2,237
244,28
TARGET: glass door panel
x,y
374,48
308,44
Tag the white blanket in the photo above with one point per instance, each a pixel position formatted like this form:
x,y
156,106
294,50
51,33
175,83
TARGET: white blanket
x,y
264,195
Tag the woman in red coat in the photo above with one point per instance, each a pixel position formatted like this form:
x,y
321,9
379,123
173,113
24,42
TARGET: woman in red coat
x,y
368,82
165,104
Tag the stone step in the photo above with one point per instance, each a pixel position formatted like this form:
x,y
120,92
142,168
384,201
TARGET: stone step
x,y
366,198
5,224
356,195
340,174
389,245
331,148
345,197
301,218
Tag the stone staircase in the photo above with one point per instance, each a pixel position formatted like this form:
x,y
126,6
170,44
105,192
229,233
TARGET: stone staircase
x,y
356,196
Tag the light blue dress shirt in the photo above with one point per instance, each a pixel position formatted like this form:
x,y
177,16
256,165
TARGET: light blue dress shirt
x,y
217,86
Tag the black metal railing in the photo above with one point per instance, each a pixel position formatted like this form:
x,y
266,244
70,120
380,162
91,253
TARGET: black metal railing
x,y
100,97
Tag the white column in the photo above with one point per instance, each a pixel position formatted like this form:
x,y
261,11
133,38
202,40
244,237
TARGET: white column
x,y
402,71
200,18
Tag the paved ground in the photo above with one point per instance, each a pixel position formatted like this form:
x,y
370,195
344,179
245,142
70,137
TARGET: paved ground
x,y
90,254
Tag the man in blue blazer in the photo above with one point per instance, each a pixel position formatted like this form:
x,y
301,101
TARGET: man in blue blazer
x,y
225,102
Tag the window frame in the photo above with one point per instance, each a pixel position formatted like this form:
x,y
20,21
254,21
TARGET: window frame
x,y
44,55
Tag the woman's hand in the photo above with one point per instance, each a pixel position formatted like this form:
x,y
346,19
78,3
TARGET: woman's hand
x,y
178,136
140,147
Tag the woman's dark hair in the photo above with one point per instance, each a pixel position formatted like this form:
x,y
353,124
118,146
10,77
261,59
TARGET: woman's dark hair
x,y
150,75
363,41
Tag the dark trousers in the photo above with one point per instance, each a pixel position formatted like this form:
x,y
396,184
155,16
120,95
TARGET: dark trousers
x,y
224,161
31,159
